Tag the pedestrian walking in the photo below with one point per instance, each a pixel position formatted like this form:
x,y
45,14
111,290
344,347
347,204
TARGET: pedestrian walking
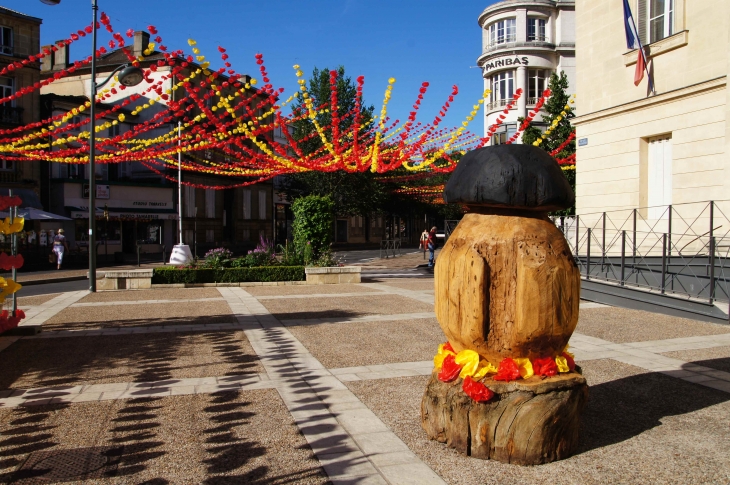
x,y
432,243
59,247
424,241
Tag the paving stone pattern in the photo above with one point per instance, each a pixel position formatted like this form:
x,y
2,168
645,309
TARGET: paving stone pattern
x,y
353,438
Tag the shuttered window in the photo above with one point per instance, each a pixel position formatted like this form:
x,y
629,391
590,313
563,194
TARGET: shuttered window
x,y
656,20
660,176
247,203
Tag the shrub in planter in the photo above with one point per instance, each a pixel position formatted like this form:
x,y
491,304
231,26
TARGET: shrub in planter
x,y
172,275
217,258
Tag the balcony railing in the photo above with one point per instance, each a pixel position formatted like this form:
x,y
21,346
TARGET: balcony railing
x,y
537,38
11,115
498,104
514,44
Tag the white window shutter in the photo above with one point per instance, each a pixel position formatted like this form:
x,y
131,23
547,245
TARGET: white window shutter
x,y
642,18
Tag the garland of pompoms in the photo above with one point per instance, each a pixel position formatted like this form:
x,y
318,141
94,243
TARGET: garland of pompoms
x,y
469,366
223,113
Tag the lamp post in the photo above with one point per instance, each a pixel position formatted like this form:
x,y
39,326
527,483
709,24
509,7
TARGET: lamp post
x,y
106,234
129,76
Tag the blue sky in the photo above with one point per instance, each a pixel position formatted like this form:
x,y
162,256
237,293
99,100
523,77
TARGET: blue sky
x,y
413,41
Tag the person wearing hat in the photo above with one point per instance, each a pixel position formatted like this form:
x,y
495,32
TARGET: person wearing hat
x,y
59,246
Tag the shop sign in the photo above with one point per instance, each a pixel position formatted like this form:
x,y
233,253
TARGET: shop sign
x,y
582,142
102,191
506,62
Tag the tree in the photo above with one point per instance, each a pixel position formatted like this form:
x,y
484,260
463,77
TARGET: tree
x,y
356,193
554,106
312,225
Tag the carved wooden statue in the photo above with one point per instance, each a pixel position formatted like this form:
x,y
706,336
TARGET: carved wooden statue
x,y
508,289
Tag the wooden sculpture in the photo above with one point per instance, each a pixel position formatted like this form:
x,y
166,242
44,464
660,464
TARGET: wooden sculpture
x,y
507,289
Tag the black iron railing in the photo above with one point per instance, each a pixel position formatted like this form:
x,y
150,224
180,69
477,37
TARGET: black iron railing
x,y
680,250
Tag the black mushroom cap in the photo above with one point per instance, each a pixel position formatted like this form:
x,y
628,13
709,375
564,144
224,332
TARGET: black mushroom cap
x,y
510,176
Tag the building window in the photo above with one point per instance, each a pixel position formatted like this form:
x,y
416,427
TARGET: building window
x,y
189,236
502,136
210,204
502,32
189,201
6,36
661,15
536,79
6,87
503,88
7,166
656,20
659,193
262,204
113,131
536,30
76,123
209,235
247,203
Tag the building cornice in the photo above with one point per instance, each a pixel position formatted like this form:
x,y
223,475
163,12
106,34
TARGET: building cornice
x,y
509,5
710,85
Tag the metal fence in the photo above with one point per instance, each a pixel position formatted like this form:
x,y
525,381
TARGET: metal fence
x,y
679,250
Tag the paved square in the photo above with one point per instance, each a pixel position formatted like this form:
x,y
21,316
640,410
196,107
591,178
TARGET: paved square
x,y
318,384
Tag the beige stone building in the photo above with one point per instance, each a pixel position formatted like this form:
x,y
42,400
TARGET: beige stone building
x,y
19,39
645,150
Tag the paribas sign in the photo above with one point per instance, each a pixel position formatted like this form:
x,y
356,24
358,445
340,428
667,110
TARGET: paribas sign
x,y
506,62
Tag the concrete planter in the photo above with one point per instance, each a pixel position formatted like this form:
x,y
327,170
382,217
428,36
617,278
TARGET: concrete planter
x,y
136,279
333,275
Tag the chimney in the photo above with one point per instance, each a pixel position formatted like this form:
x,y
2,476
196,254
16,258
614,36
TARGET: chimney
x,y
61,56
47,61
141,42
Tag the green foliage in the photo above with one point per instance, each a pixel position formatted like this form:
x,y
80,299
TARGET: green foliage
x,y
312,224
554,106
217,258
172,275
289,256
353,193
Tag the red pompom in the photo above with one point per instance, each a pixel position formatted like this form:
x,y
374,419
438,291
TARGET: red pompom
x,y
447,346
449,369
507,370
476,390
569,359
545,366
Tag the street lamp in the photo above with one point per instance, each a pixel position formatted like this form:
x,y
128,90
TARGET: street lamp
x,y
129,76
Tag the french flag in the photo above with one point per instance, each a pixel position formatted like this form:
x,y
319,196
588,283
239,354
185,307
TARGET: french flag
x,y
633,42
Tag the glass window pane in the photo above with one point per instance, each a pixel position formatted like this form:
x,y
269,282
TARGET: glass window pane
x,y
656,7
531,31
656,29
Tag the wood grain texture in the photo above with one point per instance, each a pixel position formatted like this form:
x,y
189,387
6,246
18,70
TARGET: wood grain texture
x,y
527,423
507,286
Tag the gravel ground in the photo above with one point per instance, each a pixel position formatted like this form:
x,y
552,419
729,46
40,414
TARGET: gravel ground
x,y
152,294
183,313
638,428
24,301
345,307
715,358
417,284
371,343
30,363
223,438
621,325
308,289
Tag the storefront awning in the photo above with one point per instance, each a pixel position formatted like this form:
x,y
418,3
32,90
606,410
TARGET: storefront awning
x,y
117,213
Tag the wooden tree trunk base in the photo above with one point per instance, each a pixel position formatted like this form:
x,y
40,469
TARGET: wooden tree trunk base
x,y
527,422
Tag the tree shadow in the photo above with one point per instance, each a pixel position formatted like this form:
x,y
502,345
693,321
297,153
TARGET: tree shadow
x,y
622,409
141,322
28,432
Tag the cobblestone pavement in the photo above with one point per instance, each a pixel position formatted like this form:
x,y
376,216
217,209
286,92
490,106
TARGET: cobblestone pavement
x,y
310,385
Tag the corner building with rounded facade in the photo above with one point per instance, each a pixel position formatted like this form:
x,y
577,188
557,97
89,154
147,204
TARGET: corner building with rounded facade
x,y
523,42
